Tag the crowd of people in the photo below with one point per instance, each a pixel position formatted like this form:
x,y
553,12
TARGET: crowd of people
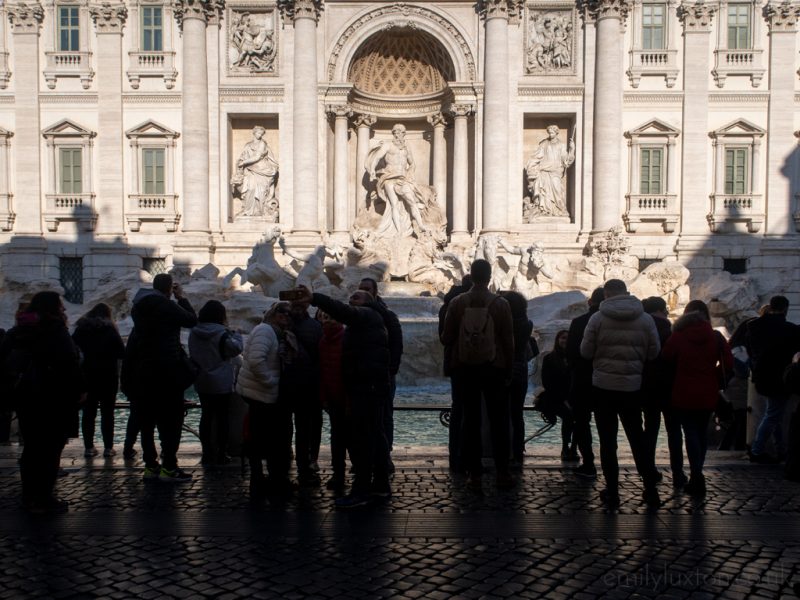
x,y
622,361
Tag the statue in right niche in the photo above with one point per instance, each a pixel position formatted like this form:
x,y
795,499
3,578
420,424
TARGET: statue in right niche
x,y
545,173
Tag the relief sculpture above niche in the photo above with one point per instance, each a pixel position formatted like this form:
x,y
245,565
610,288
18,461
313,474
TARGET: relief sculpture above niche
x,y
252,42
550,42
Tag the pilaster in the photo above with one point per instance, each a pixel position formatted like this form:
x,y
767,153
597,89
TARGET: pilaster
x,y
438,121
341,173
460,226
363,124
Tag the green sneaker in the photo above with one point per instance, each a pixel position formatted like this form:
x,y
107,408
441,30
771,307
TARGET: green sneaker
x,y
151,473
175,475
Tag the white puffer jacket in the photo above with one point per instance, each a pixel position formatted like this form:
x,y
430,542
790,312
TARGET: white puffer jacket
x,y
619,339
261,367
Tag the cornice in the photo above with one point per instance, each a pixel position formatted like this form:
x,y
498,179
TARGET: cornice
x,y
739,98
541,91
67,98
251,92
25,17
151,98
652,97
108,18
6,99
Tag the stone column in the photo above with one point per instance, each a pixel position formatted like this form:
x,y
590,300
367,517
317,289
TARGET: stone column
x,y
25,22
341,174
438,121
363,125
109,19
461,113
697,20
610,16
305,144
192,17
495,114
782,19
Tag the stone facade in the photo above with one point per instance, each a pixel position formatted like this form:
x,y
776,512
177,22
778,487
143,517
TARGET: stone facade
x,y
123,124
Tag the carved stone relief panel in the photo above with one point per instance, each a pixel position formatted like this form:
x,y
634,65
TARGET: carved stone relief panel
x,y
550,40
252,40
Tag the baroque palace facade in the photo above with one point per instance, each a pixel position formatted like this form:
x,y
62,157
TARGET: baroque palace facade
x,y
159,133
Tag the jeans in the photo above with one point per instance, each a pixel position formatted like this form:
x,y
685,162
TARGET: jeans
x,y
165,413
105,399
339,442
611,405
271,439
388,413
308,426
771,424
41,454
582,419
456,428
516,398
695,430
485,382
652,424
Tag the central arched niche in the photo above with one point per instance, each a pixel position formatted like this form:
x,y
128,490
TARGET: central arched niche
x,y
401,62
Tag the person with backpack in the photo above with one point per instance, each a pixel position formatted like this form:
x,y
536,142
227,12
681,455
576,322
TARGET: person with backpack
x,y
42,369
213,347
102,347
479,327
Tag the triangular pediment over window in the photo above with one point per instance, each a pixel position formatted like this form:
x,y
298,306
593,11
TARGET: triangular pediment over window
x,y
151,129
653,127
739,127
5,133
67,128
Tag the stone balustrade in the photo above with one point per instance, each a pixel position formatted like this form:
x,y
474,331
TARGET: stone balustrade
x,y
5,72
68,64
738,62
651,208
152,64
157,208
70,207
653,62
736,208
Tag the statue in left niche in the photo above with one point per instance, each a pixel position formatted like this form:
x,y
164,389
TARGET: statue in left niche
x,y
256,178
253,45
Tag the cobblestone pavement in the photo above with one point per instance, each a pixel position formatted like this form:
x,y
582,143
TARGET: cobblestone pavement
x,y
548,538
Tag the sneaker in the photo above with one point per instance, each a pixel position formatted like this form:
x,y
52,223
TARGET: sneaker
x,y
586,471
352,501
174,475
314,466
151,473
609,498
763,459
129,453
109,452
381,491
90,452
658,476
504,481
651,498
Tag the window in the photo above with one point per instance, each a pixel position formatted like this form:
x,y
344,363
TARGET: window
x,y
646,262
653,26
652,168
154,266
153,171
68,29
71,276
736,160
152,29
739,27
70,166
734,266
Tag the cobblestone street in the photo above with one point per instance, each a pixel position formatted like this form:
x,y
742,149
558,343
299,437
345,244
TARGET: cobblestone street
x,y
549,537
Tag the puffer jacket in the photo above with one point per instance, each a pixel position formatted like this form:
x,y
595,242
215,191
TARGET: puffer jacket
x,y
694,348
619,339
212,347
261,366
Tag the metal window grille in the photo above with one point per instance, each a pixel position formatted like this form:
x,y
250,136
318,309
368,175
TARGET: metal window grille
x,y
154,266
71,275
734,266
646,262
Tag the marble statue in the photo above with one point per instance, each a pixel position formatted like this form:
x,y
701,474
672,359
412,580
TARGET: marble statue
x,y
431,265
253,45
549,41
531,265
312,274
262,268
256,177
410,207
545,171
486,248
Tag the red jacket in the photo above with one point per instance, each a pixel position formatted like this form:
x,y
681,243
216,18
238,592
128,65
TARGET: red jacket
x,y
694,349
331,389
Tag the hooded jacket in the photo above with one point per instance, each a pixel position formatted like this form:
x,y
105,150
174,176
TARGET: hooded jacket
x,y
771,343
695,349
212,347
619,339
158,322
102,348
